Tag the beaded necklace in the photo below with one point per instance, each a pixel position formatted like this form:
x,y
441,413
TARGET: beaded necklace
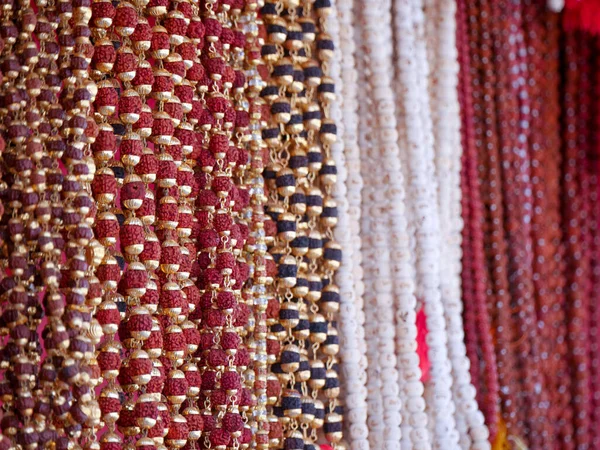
x,y
426,262
227,400
55,399
513,132
345,152
385,409
575,185
19,286
477,321
484,79
368,145
593,157
105,187
444,104
303,174
545,179
261,287
552,133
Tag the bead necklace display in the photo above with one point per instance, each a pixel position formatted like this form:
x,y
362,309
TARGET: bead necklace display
x,y
575,187
446,134
484,79
346,153
552,131
226,356
50,246
178,179
368,145
427,232
129,364
261,285
474,277
162,342
514,132
593,166
384,399
545,183
82,251
302,175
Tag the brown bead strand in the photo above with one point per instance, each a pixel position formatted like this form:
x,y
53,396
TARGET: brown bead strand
x,y
513,115
43,146
594,166
551,133
23,159
575,223
584,116
226,356
484,80
541,229
105,187
330,302
488,398
469,315
81,291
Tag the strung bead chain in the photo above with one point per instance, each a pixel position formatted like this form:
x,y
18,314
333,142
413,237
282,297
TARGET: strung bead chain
x,y
371,248
593,166
575,226
261,285
447,159
226,360
421,190
346,154
477,323
551,132
545,181
384,400
301,176
484,79
51,249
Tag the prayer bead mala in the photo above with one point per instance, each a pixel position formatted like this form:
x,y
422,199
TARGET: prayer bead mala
x,y
131,364
445,127
575,213
594,166
385,398
346,153
20,319
225,361
51,213
477,322
421,194
484,79
513,134
106,187
372,247
545,184
83,252
23,186
301,176
552,130
261,280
